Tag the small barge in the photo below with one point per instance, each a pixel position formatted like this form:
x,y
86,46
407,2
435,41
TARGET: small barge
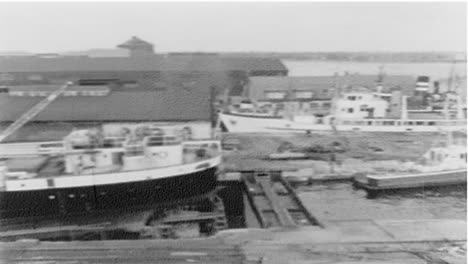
x,y
443,166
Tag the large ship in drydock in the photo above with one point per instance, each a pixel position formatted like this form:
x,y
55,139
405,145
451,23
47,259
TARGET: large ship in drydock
x,y
108,168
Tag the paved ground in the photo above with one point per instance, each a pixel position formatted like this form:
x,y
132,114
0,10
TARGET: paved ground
x,y
363,241
138,251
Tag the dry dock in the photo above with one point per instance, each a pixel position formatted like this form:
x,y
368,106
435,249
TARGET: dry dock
x,y
284,240
289,233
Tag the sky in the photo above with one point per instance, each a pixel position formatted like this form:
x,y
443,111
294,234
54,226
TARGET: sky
x,y
235,26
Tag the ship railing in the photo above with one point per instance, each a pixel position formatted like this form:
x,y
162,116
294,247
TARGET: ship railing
x,y
401,122
134,150
152,141
113,142
51,146
201,150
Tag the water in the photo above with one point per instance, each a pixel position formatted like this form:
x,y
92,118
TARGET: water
x,y
339,201
327,68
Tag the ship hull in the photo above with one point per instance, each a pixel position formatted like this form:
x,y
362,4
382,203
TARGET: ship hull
x,y
237,123
120,196
375,185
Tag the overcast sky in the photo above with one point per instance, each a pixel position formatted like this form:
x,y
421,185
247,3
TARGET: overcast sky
x,y
397,26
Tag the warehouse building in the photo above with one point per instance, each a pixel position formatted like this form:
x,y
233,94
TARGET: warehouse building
x,y
134,84
137,85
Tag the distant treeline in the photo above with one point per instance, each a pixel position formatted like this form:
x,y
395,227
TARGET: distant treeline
x,y
363,56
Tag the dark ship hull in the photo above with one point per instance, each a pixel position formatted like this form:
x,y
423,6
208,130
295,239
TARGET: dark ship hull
x,y
59,202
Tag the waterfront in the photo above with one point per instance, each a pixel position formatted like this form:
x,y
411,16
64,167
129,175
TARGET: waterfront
x,y
436,71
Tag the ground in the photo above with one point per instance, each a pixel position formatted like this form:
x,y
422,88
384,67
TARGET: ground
x,y
370,242
364,152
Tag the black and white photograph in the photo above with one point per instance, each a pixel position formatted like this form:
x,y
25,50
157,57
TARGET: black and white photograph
x,y
249,132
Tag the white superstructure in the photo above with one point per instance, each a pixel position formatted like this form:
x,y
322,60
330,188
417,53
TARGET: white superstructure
x,y
352,111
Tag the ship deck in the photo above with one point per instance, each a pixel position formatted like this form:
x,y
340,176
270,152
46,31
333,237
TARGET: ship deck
x,y
54,166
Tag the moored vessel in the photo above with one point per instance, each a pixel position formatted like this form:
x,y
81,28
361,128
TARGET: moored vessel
x,y
440,166
352,111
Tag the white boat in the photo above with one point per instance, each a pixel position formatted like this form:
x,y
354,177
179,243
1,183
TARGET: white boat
x,y
353,111
440,166
91,170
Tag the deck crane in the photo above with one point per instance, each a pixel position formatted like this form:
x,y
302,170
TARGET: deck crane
x,y
35,110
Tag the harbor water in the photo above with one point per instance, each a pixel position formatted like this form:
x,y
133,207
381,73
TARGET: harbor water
x,y
435,71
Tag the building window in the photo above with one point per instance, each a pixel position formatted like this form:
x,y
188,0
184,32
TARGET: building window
x,y
7,77
130,84
70,93
35,77
37,93
304,94
275,95
16,93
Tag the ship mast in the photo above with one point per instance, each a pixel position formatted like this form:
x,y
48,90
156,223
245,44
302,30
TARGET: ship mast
x,y
450,80
380,78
